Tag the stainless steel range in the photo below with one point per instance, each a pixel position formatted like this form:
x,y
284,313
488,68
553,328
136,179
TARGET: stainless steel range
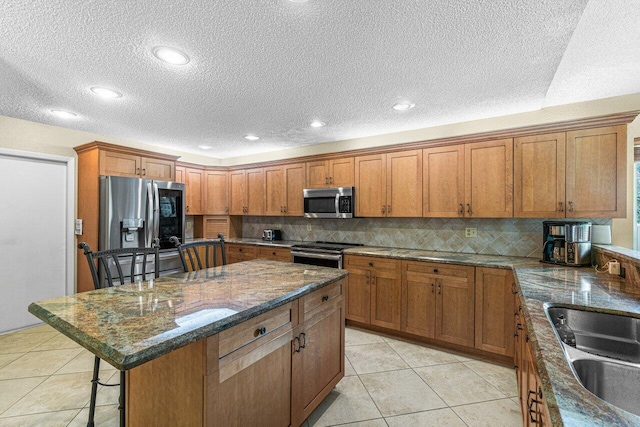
x,y
325,254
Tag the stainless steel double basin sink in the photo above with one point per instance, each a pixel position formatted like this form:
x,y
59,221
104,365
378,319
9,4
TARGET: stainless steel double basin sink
x,y
606,356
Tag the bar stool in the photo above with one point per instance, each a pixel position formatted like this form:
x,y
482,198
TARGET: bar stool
x,y
190,253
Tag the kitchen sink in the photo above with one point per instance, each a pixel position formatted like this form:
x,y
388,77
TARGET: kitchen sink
x,y
603,351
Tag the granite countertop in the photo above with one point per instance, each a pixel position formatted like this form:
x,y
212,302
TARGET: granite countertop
x,y
569,403
131,324
260,242
475,260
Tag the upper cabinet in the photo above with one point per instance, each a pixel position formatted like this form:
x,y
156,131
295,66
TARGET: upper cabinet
x,y
578,174
217,192
539,177
469,180
193,178
330,173
596,173
389,185
247,191
118,163
488,181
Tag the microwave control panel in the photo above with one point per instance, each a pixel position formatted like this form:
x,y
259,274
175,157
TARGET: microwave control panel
x,y
344,204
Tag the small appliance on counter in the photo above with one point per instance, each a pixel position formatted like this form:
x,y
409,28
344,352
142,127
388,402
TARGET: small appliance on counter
x,y
566,242
271,234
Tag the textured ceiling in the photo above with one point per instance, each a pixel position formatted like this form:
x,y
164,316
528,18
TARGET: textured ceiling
x,y
269,67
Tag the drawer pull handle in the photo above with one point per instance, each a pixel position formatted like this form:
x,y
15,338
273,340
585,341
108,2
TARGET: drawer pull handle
x,y
370,264
303,339
260,331
435,270
325,298
532,411
273,253
297,350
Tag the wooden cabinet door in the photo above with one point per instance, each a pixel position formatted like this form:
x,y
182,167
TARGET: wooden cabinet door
x,y
494,311
258,389
194,180
443,182
404,184
538,176
164,170
275,190
216,193
255,192
317,174
237,192
455,310
418,300
319,365
180,174
489,179
341,172
119,164
385,297
596,173
371,184
358,295
294,176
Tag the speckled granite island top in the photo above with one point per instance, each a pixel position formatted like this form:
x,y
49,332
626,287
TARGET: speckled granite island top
x,y
569,403
132,324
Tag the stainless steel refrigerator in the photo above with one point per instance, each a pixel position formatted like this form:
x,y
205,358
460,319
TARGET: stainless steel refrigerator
x,y
137,212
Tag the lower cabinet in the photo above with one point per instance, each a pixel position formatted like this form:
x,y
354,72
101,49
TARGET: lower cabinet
x,y
532,402
238,253
438,301
274,254
272,370
373,291
495,301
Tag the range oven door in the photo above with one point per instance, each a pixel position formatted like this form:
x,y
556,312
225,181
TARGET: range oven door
x,y
317,258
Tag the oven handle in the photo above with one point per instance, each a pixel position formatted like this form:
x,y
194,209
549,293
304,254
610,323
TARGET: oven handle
x,y
332,257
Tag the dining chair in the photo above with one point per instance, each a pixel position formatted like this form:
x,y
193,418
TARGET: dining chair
x,y
117,267
191,253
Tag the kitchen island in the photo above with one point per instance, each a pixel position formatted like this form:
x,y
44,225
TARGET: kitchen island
x,y
253,343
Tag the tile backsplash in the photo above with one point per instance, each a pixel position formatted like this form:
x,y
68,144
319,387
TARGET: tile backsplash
x,y
508,236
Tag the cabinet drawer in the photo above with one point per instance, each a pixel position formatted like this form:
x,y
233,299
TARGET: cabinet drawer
x,y
241,251
276,254
321,296
260,330
369,263
438,270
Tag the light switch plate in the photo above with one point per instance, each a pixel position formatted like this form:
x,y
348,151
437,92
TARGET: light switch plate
x,y
78,227
471,232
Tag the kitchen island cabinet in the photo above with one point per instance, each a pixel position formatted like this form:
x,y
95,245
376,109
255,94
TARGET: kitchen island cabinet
x,y
222,346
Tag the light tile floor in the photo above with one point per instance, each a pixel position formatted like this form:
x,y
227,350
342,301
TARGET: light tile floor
x,y
44,381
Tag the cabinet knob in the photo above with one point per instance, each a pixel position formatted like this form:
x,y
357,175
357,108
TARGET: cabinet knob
x,y
388,209
570,206
384,209
432,288
435,270
187,208
144,172
560,207
461,210
330,180
273,253
325,298
239,249
439,289
326,180
370,264
469,209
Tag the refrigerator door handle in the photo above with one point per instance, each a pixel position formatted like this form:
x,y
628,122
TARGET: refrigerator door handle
x,y
156,215
149,218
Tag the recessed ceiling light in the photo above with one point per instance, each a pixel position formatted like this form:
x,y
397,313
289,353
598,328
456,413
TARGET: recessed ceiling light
x,y
106,93
317,124
64,114
403,106
205,147
298,1
252,137
170,55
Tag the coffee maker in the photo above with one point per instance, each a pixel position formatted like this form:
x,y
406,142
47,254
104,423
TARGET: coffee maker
x,y
566,242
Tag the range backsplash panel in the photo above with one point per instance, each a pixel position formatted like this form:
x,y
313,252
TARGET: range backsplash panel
x,y
508,236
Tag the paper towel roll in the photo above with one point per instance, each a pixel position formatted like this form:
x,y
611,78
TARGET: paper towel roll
x,y
601,234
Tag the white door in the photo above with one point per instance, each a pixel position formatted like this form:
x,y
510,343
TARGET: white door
x,y
36,234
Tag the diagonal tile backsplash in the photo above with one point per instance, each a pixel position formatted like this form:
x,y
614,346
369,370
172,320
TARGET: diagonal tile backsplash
x,y
509,236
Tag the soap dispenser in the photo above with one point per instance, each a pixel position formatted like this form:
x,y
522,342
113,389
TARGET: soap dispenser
x,y
566,334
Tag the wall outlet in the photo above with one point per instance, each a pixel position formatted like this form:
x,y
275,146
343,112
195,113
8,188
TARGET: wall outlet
x,y
471,232
614,267
308,226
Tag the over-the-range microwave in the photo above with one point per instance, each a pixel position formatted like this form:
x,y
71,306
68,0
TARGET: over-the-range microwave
x,y
337,202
